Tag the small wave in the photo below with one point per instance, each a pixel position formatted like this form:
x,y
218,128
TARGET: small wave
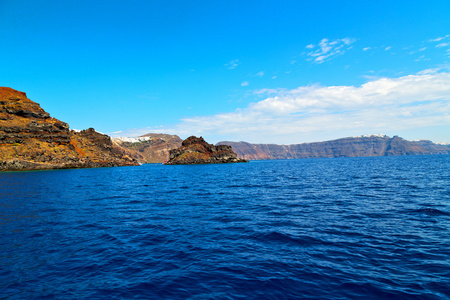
x,y
431,212
279,237
360,290
134,202
413,186
228,219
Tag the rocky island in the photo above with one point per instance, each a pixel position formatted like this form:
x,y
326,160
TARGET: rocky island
x,y
195,150
30,139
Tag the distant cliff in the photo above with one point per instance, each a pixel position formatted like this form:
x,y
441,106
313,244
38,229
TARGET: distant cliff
x,y
32,140
149,148
372,145
196,151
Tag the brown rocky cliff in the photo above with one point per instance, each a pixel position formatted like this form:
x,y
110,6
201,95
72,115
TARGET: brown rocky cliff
x,y
153,150
22,119
374,145
196,151
30,139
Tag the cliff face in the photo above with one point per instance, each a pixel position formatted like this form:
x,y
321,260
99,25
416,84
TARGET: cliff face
x,y
22,119
150,148
196,151
347,147
32,140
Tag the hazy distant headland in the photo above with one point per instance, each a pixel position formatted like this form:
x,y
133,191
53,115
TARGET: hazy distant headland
x,y
366,145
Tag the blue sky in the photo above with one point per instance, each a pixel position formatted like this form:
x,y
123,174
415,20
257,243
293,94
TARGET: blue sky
x,y
259,71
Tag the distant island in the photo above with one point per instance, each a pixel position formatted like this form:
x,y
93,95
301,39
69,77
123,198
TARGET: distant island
x,y
155,148
366,145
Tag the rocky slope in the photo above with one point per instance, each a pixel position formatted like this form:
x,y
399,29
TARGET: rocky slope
x,y
150,148
372,145
30,139
196,151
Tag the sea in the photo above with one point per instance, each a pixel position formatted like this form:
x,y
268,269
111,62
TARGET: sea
x,y
340,228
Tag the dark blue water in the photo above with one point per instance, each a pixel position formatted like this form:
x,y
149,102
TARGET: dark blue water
x,y
371,228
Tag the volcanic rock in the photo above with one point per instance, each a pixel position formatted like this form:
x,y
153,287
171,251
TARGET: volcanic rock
x,y
30,139
196,151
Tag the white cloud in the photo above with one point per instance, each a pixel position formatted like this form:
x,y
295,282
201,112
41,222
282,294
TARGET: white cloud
x,y
232,64
245,83
274,77
429,71
439,38
421,58
442,45
315,112
420,50
115,132
384,91
388,48
328,49
260,74
366,48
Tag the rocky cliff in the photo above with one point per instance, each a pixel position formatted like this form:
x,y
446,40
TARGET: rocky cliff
x,y
196,151
30,139
150,148
372,145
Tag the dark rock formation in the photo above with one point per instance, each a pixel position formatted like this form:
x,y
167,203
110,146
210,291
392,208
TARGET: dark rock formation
x,y
32,140
372,145
196,151
154,148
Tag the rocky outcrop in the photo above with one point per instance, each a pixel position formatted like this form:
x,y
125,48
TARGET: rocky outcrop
x,y
196,151
150,148
30,139
371,145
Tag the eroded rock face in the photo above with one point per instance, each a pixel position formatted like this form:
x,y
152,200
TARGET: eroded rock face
x,y
32,140
22,119
154,148
195,150
347,147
